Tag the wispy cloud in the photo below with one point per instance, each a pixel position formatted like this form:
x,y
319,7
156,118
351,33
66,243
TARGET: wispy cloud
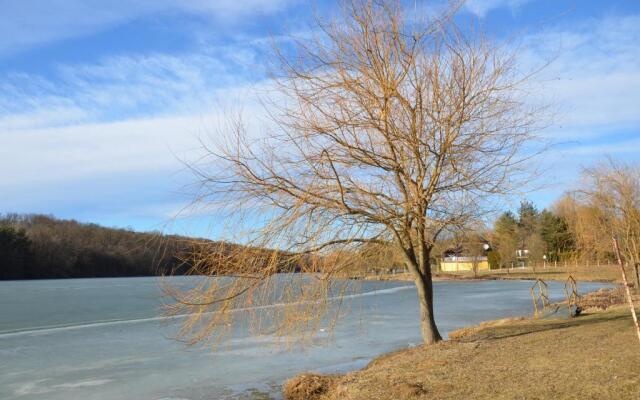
x,y
594,74
593,84
124,87
482,7
27,23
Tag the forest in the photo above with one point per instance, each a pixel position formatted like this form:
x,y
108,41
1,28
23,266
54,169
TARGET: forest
x,y
42,247
34,246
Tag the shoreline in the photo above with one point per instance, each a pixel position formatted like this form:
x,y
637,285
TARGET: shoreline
x,y
394,375
601,275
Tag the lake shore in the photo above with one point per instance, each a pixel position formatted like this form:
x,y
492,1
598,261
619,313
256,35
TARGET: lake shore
x,y
509,358
604,274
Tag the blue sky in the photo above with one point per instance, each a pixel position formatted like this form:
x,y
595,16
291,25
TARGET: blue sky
x,y
100,100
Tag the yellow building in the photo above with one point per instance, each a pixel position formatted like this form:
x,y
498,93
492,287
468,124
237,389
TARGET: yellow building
x,y
457,263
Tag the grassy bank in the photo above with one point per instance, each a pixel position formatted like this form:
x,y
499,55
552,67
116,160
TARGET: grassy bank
x,y
595,356
603,273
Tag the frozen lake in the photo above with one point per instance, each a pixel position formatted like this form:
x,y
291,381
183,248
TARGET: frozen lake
x,y
103,338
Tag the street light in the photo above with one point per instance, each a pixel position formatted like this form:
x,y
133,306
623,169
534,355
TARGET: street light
x,y
544,260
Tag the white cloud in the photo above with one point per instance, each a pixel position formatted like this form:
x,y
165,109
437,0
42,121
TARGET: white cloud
x,y
125,87
66,153
63,154
593,78
482,7
41,118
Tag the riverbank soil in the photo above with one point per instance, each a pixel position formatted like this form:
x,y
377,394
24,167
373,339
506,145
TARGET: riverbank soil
x,y
594,356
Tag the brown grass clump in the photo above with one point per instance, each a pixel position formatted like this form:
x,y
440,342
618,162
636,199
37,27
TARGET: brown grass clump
x,y
308,386
602,299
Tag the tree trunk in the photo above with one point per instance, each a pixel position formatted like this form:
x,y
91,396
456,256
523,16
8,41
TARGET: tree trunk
x,y
428,327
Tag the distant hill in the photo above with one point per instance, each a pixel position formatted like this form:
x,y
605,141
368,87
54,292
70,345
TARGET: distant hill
x,y
34,246
41,246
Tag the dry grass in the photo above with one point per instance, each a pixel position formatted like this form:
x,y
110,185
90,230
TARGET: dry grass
x,y
595,356
602,273
407,276
309,386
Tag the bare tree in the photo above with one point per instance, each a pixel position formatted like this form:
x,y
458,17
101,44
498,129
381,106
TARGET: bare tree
x,y
613,192
386,128
583,223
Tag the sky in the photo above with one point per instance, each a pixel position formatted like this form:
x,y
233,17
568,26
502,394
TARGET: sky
x,y
102,102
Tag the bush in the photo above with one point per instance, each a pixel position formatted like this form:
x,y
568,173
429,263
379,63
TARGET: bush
x,y
494,259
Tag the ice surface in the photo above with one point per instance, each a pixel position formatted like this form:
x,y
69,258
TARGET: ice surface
x,y
103,339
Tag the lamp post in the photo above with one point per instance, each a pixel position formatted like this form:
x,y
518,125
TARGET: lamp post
x,y
485,248
544,260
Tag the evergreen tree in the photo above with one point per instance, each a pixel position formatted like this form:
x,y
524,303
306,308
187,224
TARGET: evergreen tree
x,y
554,231
527,222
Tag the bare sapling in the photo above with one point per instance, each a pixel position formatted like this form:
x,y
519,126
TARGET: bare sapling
x,y
626,286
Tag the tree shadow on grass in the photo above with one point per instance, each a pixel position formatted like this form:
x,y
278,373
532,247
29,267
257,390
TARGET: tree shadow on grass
x,y
525,327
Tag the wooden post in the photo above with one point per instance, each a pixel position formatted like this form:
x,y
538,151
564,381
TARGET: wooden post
x,y
626,286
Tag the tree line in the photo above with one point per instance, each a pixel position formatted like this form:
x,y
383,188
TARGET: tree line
x,y
34,246
545,233
41,247
580,226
